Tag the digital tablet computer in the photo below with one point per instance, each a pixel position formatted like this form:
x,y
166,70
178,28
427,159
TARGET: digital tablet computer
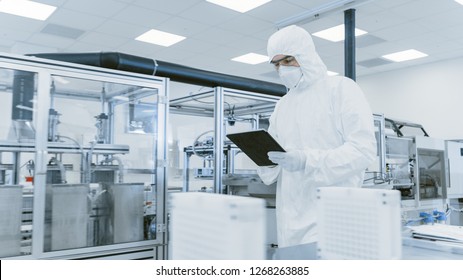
x,y
256,144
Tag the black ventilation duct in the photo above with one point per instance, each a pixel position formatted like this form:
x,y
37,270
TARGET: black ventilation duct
x,y
175,72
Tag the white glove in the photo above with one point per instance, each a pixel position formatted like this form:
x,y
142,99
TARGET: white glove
x,y
291,160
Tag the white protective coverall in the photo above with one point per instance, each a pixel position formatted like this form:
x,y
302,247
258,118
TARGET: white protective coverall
x,y
325,121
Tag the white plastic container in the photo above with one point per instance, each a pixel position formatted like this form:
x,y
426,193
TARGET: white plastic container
x,y
208,226
358,223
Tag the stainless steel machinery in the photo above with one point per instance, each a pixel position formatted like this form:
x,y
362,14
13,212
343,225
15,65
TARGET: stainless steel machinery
x,y
82,161
413,163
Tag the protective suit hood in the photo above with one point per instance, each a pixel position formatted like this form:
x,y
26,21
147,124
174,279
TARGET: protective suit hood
x,y
297,42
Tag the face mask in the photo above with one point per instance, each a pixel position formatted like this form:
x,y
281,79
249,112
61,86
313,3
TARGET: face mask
x,y
290,75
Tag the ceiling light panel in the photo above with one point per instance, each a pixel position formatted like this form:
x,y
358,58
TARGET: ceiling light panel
x,y
251,58
336,34
405,55
160,38
27,9
459,2
241,6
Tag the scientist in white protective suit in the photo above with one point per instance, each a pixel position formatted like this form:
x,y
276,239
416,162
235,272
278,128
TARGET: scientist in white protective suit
x,y
326,127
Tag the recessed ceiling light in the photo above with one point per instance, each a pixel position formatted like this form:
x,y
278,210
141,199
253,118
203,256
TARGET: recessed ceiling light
x,y
241,6
161,38
27,9
459,2
404,55
251,58
336,34
331,73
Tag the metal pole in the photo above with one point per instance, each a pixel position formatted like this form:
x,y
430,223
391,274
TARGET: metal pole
x,y
349,44
218,139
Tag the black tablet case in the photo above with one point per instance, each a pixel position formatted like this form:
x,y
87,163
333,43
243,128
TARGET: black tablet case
x,y
256,144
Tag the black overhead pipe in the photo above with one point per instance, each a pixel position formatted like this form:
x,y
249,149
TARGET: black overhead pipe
x,y
349,44
175,72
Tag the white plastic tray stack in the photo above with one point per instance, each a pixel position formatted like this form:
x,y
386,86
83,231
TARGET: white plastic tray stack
x,y
207,226
357,223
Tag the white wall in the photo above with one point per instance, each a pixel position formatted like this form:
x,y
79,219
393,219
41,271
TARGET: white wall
x,y
430,95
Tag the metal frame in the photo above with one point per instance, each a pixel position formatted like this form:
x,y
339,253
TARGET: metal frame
x,y
219,95
45,69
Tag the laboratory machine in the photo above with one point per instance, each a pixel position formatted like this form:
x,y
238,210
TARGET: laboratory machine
x,y
417,165
82,161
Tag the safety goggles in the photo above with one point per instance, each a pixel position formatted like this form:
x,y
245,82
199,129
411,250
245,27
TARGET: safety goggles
x,y
285,61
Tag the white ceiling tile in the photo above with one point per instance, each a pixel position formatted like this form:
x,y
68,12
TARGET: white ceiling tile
x,y
421,9
75,19
360,55
442,20
328,49
379,21
265,33
172,55
245,24
20,23
50,40
430,40
368,9
224,52
379,50
193,45
402,31
453,32
441,47
323,23
103,40
217,36
55,3
205,62
449,54
126,1
388,4
121,29
249,44
308,4
141,16
5,49
182,26
8,34
274,11
167,6
209,13
29,48
102,8
83,47
140,49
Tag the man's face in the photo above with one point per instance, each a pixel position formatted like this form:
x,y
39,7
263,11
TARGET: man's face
x,y
285,60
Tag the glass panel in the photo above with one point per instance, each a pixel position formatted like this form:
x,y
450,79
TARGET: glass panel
x,y
431,166
399,167
18,91
191,137
101,165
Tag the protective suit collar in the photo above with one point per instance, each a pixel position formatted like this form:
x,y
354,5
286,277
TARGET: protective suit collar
x,y
297,42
